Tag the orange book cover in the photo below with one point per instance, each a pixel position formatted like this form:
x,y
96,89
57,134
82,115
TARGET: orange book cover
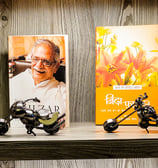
x,y
126,67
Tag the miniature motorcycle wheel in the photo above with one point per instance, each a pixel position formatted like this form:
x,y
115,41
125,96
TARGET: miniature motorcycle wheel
x,y
3,128
110,125
51,129
144,124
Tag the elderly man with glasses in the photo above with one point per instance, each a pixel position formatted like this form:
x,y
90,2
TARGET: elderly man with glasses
x,y
39,81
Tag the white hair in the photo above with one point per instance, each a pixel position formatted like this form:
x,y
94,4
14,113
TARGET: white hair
x,y
54,48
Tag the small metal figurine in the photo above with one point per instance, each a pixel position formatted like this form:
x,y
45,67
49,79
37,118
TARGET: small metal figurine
x,y
146,114
32,119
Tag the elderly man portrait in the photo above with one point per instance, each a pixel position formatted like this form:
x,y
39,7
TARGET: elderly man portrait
x,y
38,81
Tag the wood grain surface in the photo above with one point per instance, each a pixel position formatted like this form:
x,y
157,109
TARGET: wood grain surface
x,y
78,19
80,141
4,26
100,163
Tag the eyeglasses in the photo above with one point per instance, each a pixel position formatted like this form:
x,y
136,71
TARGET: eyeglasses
x,y
45,62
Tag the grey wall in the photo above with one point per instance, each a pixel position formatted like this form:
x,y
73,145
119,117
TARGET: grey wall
x,y
78,19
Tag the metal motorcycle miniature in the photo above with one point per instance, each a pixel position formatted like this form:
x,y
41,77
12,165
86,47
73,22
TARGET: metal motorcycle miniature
x,y
146,114
32,119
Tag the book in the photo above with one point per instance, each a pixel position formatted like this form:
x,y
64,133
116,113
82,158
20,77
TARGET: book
x,y
38,70
126,67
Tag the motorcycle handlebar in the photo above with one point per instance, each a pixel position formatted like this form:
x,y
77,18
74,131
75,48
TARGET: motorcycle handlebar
x,y
140,99
145,96
33,99
36,100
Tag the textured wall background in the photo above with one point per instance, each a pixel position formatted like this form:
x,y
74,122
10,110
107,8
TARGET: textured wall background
x,y
78,19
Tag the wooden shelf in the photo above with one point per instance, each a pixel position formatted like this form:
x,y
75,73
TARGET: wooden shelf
x,y
79,141
78,19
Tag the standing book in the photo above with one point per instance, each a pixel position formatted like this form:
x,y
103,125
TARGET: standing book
x,y
126,67
38,79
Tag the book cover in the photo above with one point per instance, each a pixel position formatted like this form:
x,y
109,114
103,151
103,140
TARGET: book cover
x,y
126,67
38,68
